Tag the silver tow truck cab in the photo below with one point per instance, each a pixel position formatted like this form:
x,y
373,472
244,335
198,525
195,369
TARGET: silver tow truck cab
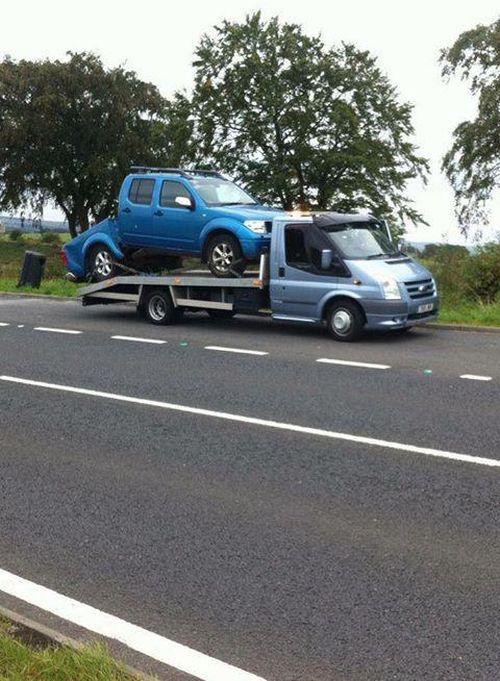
x,y
327,268
345,270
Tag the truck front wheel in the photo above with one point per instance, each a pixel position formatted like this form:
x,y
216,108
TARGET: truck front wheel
x,y
158,308
345,321
224,256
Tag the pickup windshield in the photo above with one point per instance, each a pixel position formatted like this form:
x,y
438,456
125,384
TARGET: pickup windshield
x,y
361,240
216,191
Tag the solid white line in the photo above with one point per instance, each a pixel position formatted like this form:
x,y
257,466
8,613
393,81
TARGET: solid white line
x,y
344,362
4,324
146,642
68,331
475,377
139,340
262,422
239,350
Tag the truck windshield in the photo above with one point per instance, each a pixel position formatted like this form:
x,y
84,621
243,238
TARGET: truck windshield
x,y
361,240
216,191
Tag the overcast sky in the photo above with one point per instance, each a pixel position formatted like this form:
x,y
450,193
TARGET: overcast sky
x,y
157,38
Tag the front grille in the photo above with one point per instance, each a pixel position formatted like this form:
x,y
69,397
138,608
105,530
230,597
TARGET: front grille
x,y
420,289
422,315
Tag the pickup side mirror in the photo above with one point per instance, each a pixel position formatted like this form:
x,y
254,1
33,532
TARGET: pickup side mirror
x,y
184,202
326,259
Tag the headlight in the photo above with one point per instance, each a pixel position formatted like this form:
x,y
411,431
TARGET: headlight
x,y
257,226
390,289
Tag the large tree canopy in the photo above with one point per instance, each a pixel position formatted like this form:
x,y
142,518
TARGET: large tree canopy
x,y
302,124
473,162
69,131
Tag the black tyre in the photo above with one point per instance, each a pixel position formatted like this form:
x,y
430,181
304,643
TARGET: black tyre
x,y
158,308
345,321
221,314
224,256
100,263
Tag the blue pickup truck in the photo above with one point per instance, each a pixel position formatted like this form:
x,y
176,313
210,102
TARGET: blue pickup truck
x,y
167,213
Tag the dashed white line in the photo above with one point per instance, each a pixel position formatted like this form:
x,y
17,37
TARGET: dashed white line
x,y
290,427
219,348
475,377
4,324
344,362
153,645
71,332
153,341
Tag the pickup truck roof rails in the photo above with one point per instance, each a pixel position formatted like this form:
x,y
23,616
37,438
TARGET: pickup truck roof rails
x,y
185,172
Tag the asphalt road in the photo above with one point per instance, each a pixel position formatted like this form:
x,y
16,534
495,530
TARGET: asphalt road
x,y
289,554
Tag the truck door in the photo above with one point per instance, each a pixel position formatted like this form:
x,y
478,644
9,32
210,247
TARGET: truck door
x,y
300,283
176,221
136,210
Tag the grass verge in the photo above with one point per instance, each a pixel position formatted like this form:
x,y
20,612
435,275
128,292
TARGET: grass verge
x,y
19,661
470,313
48,287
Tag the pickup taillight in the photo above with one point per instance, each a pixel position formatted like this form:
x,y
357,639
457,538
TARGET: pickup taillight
x,y
64,257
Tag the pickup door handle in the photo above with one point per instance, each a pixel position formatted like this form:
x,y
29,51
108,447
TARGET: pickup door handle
x,y
281,272
126,210
158,213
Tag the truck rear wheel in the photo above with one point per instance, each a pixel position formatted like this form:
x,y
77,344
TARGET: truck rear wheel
x,y
158,308
224,256
345,321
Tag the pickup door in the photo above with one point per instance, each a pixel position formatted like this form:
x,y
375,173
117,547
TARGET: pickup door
x,y
176,227
136,211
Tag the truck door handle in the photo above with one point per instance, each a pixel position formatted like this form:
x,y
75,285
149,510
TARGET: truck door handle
x,y
158,212
281,272
126,210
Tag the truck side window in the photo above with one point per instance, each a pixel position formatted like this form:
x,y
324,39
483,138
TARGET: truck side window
x,y
295,248
141,191
169,192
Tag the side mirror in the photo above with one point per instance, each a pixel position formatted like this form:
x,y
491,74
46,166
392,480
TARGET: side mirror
x,y
326,259
184,201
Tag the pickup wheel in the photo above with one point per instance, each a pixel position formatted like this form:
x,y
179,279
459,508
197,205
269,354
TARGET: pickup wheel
x,y
345,321
100,263
224,256
158,308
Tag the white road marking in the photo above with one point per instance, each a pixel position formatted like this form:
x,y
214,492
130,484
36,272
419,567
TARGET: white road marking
x,y
51,330
239,350
20,326
153,645
367,365
291,427
4,324
139,340
475,377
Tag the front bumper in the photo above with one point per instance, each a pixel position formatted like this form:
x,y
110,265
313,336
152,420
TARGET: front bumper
x,y
398,314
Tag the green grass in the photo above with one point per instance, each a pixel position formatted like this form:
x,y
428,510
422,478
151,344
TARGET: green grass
x,y
470,313
48,287
12,254
20,662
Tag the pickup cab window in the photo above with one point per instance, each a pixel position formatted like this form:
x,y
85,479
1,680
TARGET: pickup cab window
x,y
141,191
170,190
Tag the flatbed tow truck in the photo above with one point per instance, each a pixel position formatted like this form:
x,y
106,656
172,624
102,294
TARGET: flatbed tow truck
x,y
312,274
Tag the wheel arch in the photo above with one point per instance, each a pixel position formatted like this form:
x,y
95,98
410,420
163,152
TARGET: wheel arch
x,y
210,235
338,298
101,239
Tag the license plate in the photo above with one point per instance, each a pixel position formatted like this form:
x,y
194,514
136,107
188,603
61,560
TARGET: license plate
x,y
425,308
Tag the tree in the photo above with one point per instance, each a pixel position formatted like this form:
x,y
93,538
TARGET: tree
x,y
70,130
473,162
300,124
